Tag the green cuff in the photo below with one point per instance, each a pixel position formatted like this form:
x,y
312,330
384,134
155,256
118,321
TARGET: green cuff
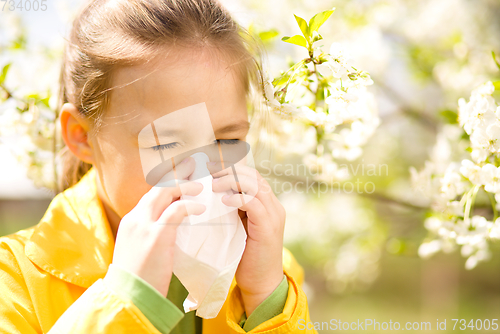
x,y
160,311
269,308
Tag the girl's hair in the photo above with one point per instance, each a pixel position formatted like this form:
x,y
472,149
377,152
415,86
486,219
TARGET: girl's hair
x,y
107,34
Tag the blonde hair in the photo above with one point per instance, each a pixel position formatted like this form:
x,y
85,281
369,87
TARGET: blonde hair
x,y
111,33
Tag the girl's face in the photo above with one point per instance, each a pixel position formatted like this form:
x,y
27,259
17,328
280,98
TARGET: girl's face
x,y
145,93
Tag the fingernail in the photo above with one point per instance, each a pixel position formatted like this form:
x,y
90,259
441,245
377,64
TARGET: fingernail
x,y
216,179
211,163
226,196
185,160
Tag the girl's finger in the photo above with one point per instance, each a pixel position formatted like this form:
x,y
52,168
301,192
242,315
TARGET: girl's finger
x,y
238,169
244,183
264,193
181,171
215,168
254,208
176,212
156,200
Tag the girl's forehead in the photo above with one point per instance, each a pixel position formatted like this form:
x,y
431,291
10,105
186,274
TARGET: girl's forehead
x,y
173,65
146,93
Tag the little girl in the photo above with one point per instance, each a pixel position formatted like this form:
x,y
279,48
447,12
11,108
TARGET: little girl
x,y
100,260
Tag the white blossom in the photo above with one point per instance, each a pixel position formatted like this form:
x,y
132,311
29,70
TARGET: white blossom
x,y
490,177
324,168
287,109
427,249
451,183
480,118
471,171
337,60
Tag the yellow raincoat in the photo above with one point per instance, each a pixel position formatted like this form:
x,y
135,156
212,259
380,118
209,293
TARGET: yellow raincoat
x,y
46,268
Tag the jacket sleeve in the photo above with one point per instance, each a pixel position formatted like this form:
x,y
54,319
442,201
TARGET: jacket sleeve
x,y
160,311
164,315
119,303
17,314
100,309
269,308
295,312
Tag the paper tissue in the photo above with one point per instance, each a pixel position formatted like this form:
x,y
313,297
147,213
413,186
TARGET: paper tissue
x,y
208,247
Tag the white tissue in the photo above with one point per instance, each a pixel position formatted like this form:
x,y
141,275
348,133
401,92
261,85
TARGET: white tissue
x,y
208,247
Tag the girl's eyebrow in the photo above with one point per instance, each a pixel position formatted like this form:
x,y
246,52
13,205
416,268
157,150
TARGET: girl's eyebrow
x,y
240,125
162,131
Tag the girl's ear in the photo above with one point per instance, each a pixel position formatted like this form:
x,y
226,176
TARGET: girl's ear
x,y
74,130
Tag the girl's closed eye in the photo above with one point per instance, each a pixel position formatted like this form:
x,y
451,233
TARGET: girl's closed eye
x,y
165,146
176,144
227,141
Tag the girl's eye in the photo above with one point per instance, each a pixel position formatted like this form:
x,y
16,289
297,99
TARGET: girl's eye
x,y
227,141
165,146
175,144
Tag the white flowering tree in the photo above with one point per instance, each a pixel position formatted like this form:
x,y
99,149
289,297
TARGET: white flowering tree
x,y
423,55
462,178
326,116
28,106
324,93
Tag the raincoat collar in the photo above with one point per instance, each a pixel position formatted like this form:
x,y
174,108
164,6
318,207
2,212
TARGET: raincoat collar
x,y
73,241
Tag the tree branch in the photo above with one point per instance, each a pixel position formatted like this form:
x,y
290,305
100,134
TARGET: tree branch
x,y
421,117
380,197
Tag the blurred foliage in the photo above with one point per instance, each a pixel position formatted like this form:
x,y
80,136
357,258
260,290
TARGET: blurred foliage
x,y
423,56
27,110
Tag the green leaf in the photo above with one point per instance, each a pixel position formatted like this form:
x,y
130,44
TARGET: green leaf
x,y
450,116
3,75
316,36
320,95
497,85
295,66
317,20
297,40
303,26
45,101
465,136
495,59
34,96
19,43
268,35
280,80
286,76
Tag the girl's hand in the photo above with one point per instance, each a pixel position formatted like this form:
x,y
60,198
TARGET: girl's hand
x,y
146,235
260,270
